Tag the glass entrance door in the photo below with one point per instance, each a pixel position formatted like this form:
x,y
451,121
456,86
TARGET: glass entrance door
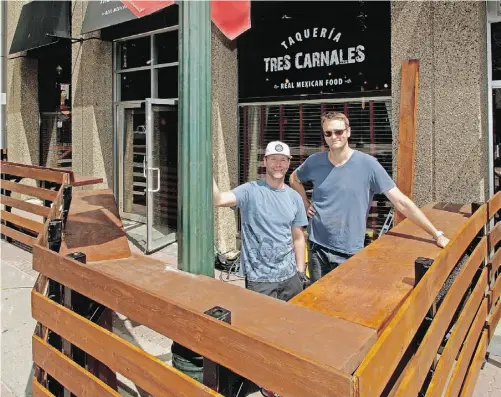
x,y
161,172
147,143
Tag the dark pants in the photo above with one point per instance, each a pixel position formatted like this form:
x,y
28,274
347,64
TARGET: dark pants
x,y
283,290
323,260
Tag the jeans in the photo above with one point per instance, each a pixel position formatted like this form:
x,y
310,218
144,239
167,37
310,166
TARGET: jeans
x,y
283,290
323,260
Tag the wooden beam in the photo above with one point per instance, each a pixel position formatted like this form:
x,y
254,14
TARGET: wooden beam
x,y
23,205
407,129
164,293
73,377
474,367
379,365
427,351
38,390
143,369
32,172
451,350
17,235
43,194
463,362
22,221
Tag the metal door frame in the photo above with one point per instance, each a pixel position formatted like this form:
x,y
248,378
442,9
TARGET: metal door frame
x,y
151,186
121,107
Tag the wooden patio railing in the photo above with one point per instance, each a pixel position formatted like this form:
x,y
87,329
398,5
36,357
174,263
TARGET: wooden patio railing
x,y
373,327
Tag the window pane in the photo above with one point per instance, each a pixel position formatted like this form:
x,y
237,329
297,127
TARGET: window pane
x,y
167,46
496,50
135,85
135,53
167,82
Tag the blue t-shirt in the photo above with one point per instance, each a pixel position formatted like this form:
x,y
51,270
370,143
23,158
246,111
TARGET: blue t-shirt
x,y
268,216
342,197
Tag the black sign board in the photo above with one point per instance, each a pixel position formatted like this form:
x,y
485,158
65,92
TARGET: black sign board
x,y
315,48
104,13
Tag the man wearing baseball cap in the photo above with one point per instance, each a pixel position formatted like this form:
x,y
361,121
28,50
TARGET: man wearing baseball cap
x,y
273,217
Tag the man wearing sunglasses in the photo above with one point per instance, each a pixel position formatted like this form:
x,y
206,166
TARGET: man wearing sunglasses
x,y
344,183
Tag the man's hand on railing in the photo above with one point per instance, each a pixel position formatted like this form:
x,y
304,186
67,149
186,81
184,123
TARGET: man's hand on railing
x,y
442,241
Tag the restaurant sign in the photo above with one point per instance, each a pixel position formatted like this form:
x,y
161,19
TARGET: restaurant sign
x,y
318,55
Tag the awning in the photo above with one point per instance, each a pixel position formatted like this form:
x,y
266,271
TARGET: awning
x,y
39,19
231,17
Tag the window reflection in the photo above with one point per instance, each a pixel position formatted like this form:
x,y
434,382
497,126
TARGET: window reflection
x,y
496,50
135,53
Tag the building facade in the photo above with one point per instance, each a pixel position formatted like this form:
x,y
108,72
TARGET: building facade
x,y
101,95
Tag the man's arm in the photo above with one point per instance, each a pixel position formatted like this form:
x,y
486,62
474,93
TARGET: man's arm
x,y
224,199
406,206
296,184
299,242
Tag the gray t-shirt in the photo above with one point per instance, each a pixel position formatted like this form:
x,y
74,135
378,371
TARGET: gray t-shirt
x,y
342,197
268,216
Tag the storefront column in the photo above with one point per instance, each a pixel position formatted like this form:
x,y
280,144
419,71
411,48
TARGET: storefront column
x,y
196,210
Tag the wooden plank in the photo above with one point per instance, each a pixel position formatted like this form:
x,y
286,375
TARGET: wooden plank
x,y
145,370
32,172
427,351
463,362
21,221
495,235
494,204
407,129
72,376
277,354
451,350
23,205
16,235
38,390
365,278
496,290
377,368
85,180
494,320
94,227
474,369
44,194
496,261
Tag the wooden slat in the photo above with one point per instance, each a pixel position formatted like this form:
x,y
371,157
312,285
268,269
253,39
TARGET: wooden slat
x,y
23,205
451,350
378,366
407,129
71,375
462,364
427,351
474,369
496,290
496,261
27,171
16,235
21,221
38,390
43,194
494,320
495,235
142,368
177,316
494,204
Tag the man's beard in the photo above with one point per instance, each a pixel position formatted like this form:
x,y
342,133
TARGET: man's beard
x,y
281,175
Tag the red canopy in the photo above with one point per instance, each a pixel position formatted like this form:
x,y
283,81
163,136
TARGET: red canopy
x,y
231,17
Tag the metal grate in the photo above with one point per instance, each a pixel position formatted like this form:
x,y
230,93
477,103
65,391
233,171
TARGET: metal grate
x,y
298,125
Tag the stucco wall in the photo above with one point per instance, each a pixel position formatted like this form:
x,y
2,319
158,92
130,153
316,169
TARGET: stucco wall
x,y
449,40
23,143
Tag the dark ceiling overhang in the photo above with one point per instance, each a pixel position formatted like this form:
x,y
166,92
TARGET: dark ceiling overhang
x,y
41,23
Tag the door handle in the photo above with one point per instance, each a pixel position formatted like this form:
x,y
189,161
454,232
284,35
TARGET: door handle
x,y
158,180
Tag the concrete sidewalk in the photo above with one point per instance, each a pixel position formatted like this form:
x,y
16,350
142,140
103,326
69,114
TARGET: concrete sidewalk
x,y
17,279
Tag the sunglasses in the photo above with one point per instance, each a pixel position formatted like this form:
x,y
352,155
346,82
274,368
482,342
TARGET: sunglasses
x,y
335,132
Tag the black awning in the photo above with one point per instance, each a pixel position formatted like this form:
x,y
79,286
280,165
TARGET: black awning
x,y
38,20
102,14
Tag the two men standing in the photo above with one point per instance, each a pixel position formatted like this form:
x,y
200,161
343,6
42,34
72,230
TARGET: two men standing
x,y
273,215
